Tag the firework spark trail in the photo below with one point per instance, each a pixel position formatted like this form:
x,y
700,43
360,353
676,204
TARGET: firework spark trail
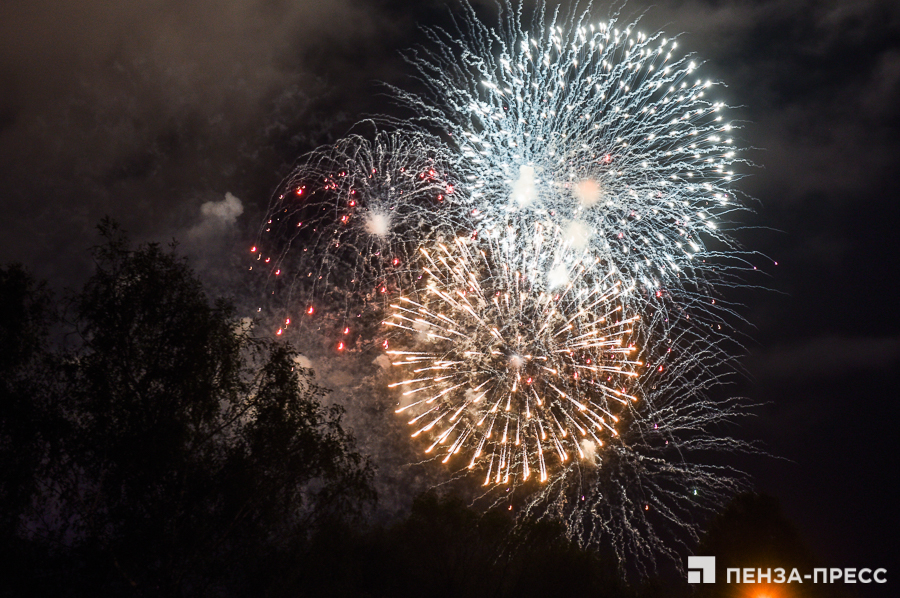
x,y
341,231
546,242
605,132
630,486
644,494
608,136
521,364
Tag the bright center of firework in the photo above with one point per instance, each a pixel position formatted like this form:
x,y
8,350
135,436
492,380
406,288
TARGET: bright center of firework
x,y
587,192
524,192
558,276
378,223
520,370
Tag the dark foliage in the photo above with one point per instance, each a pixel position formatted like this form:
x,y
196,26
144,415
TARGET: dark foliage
x,y
162,450
445,549
29,426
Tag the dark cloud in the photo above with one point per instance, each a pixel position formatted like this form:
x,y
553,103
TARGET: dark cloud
x,y
141,110
814,79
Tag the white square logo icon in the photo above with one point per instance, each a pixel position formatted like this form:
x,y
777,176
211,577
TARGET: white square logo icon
x,y
701,569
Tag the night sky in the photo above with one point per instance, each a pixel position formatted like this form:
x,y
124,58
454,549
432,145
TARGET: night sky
x,y
151,112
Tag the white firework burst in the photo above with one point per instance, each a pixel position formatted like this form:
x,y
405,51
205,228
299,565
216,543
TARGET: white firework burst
x,y
607,132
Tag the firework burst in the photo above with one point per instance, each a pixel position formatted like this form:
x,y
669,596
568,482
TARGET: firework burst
x,y
605,131
545,242
341,231
517,361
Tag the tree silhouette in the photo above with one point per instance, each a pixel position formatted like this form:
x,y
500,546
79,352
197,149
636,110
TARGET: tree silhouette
x,y
29,421
192,457
444,548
